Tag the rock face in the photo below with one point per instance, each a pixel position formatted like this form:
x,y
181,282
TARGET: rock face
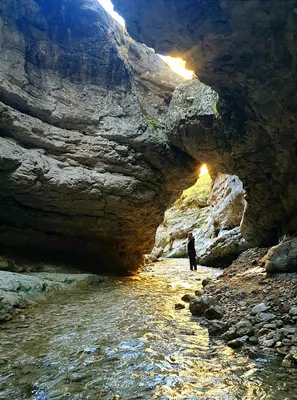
x,y
245,51
20,290
86,167
282,258
214,218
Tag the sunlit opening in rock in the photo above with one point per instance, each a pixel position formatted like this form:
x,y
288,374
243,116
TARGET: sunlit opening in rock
x,y
178,65
203,170
108,6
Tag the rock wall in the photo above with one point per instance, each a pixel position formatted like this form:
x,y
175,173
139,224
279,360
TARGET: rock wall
x,y
246,51
215,220
86,167
18,291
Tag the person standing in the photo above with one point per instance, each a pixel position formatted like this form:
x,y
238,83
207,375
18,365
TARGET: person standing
x,y
192,251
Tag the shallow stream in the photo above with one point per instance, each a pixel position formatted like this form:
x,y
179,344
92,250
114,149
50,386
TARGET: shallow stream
x,y
124,340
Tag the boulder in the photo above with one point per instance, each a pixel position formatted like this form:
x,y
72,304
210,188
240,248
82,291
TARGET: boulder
x,y
199,306
199,292
213,313
282,258
216,327
269,342
206,281
242,328
179,306
293,311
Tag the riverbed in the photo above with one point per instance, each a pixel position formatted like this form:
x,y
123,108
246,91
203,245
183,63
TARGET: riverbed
x,y
124,339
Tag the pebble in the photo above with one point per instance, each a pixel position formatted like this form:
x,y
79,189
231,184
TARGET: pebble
x,y
293,311
236,343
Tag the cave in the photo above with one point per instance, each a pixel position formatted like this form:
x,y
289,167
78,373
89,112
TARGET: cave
x,y
99,137
101,145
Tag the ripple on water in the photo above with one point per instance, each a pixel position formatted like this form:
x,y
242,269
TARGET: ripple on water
x,y
124,340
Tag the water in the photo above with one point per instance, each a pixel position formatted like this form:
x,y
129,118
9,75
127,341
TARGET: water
x,y
124,340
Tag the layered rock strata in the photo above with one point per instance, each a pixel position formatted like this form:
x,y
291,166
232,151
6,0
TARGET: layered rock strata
x,y
86,167
246,52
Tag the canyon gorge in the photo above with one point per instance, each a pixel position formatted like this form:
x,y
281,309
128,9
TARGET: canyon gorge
x,y
99,137
101,150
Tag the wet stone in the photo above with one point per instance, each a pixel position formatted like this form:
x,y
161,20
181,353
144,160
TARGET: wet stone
x,y
188,297
179,306
216,327
258,309
237,343
213,313
199,306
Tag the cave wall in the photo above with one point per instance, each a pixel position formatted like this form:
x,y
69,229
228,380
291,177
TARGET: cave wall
x,y
245,51
86,168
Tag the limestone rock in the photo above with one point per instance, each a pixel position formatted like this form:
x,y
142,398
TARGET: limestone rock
x,y
238,342
282,258
265,317
258,308
220,41
213,313
199,306
215,226
242,328
17,290
216,327
87,170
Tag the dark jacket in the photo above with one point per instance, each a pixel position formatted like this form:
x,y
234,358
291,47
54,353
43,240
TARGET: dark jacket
x,y
191,247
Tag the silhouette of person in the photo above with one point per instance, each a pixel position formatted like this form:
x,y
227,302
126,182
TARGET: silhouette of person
x,y
192,251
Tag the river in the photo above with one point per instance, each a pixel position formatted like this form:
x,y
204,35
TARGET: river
x,y
124,340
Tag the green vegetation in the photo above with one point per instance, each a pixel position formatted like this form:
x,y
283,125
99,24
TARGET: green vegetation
x,y
197,195
153,122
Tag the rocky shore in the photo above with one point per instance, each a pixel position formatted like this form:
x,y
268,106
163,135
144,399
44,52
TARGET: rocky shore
x,y
250,309
22,290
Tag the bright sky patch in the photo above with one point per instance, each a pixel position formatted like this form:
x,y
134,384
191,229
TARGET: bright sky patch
x,y
203,170
107,4
178,65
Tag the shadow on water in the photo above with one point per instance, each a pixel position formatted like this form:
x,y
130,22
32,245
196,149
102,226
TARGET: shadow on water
x,y
124,340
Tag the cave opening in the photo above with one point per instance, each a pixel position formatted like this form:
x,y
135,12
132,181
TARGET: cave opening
x,y
212,209
176,64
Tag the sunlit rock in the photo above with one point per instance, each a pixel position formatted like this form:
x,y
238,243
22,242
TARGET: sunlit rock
x,y
214,213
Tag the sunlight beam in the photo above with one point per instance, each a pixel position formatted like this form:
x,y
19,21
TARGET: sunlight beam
x,y
178,65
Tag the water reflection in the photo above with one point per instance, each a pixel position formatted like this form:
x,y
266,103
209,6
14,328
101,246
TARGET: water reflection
x,y
125,340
